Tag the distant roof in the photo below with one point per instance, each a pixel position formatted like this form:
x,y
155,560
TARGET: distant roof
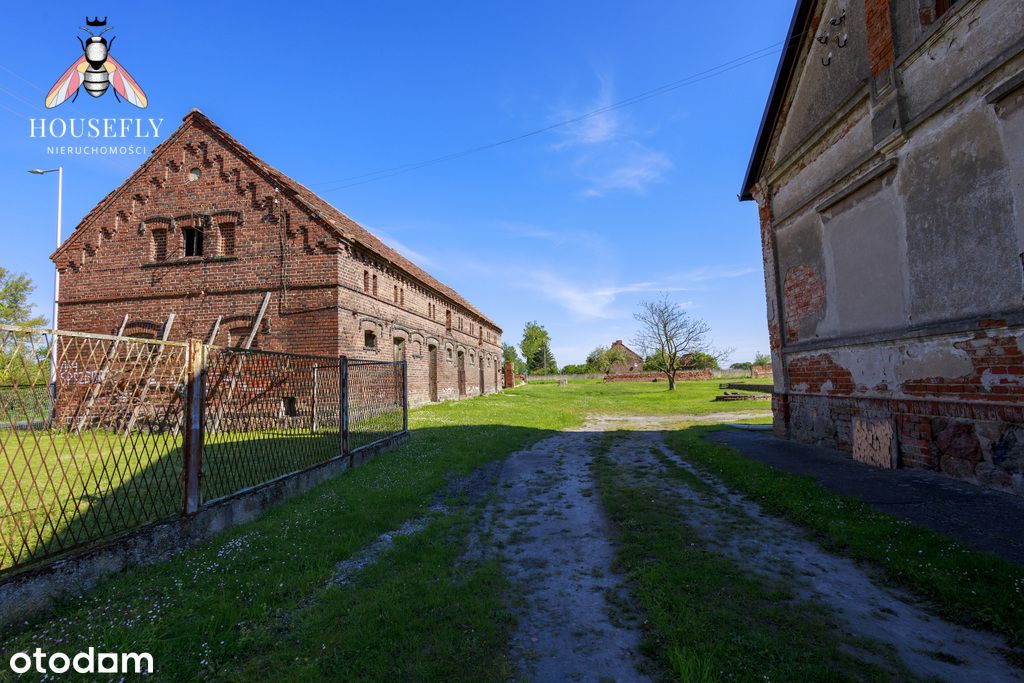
x,y
783,75
618,342
344,226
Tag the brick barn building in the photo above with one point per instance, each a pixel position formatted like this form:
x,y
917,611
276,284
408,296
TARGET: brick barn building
x,y
889,174
204,230
631,362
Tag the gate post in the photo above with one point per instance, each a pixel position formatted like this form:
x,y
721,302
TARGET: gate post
x,y
405,396
195,409
343,404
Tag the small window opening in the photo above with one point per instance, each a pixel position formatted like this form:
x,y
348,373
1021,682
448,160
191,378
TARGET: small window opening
x,y
395,295
193,241
369,339
366,281
448,322
401,297
375,284
291,406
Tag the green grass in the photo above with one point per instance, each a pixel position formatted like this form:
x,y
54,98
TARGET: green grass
x,y
707,618
214,610
965,585
67,488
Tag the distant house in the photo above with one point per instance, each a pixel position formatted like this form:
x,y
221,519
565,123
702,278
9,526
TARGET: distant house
x,y
634,362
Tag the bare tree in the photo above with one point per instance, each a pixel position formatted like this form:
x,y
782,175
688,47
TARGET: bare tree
x,y
668,336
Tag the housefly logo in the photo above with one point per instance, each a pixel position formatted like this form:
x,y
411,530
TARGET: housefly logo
x,y
96,71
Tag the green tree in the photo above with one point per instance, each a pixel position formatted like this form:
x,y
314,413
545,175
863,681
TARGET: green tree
x,y
575,369
762,360
23,359
701,361
745,365
602,358
536,348
668,336
509,354
15,308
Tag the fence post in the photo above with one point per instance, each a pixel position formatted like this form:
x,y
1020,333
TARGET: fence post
x,y
343,403
312,403
405,396
195,409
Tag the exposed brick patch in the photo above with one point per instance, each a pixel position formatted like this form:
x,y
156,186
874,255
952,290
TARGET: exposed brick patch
x,y
998,372
939,435
879,35
804,294
819,374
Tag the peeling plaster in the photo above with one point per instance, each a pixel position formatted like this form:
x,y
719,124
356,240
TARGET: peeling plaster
x,y
935,360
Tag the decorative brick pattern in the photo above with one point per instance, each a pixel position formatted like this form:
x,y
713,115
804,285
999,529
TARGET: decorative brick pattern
x,y
330,280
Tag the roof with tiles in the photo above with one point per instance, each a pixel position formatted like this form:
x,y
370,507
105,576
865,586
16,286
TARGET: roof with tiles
x,y
346,228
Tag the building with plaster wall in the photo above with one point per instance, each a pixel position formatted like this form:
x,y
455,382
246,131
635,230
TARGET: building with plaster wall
x,y
204,230
889,176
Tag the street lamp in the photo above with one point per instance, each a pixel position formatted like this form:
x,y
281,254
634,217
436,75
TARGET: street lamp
x,y
56,277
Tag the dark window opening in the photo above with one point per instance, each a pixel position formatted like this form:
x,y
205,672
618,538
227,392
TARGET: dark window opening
x,y
291,406
375,284
366,281
159,245
369,340
193,241
395,295
448,320
227,239
401,297
399,348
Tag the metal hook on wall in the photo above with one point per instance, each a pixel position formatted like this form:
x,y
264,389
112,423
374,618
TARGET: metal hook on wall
x,y
825,61
841,41
836,21
824,38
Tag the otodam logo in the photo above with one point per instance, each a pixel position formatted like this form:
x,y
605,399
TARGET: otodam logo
x,y
96,72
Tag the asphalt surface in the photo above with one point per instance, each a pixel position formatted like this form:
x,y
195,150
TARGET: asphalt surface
x,y
982,518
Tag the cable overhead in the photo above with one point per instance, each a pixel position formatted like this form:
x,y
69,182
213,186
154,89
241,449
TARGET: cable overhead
x,y
704,75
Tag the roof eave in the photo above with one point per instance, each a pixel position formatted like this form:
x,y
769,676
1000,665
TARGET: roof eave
x,y
783,74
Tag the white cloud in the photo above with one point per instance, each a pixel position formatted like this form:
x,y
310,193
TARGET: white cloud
x,y
631,166
606,154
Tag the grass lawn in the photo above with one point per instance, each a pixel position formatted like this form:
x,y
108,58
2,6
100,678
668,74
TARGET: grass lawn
x,y
214,610
966,585
65,489
709,619
257,601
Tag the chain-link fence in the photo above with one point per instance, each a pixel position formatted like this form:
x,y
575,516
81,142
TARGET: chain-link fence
x,y
101,434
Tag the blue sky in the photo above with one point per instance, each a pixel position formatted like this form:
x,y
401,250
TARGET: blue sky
x,y
573,227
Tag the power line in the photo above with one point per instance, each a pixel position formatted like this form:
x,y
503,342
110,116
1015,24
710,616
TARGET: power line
x,y
712,72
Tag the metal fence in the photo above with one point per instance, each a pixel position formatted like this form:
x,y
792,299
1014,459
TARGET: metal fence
x,y
102,434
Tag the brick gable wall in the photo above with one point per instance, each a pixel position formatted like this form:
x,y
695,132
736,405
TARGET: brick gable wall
x,y
129,257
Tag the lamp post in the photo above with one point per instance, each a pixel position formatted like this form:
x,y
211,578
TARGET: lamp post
x,y
56,278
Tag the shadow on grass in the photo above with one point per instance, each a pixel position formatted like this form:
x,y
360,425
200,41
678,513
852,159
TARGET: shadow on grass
x,y
123,483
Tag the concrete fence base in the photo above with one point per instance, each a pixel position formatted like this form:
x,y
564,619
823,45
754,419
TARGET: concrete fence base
x,y
30,591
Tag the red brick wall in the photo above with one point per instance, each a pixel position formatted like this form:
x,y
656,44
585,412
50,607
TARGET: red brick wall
x,y
804,294
318,303
879,35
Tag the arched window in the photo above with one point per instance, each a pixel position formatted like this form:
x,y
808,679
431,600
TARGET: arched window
x,y
369,339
